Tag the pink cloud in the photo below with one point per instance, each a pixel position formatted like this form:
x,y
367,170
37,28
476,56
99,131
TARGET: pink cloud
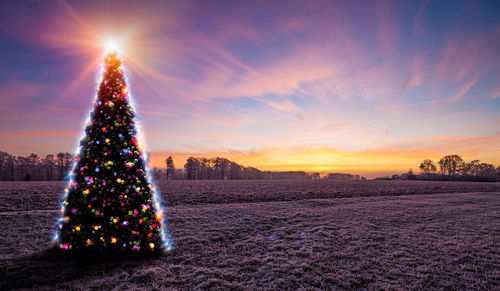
x,y
282,77
463,63
464,89
336,127
15,97
18,90
447,57
495,93
417,24
416,78
37,133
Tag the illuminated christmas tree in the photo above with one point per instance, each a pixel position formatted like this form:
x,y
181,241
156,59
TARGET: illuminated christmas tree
x,y
110,204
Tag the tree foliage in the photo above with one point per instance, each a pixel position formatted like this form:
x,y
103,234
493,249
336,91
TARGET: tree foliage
x,y
170,166
454,167
450,164
427,166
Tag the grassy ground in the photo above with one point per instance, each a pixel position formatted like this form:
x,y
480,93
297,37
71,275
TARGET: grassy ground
x,y
46,195
443,241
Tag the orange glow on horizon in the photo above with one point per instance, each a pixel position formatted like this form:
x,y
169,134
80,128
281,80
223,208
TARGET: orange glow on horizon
x,y
370,164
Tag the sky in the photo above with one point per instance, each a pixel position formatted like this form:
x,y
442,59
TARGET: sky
x,y
362,87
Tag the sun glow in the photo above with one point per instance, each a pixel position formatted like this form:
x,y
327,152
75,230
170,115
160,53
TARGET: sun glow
x,y
113,46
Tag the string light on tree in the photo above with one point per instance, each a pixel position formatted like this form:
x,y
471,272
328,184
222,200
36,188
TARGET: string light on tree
x,y
110,204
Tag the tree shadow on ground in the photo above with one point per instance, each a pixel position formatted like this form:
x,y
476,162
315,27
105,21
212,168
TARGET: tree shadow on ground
x,y
52,268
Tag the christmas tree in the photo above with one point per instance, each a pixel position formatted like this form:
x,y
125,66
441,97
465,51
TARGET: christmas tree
x,y
109,204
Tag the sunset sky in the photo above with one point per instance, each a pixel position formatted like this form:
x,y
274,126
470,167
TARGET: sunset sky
x,y
363,87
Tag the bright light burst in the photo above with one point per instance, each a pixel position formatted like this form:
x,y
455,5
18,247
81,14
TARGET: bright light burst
x,y
90,36
111,45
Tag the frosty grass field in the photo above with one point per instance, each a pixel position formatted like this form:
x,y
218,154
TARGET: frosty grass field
x,y
275,235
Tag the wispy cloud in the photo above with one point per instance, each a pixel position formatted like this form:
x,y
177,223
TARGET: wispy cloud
x,y
464,88
417,24
36,133
495,93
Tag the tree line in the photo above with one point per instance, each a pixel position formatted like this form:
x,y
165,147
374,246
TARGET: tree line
x,y
219,168
34,167
51,167
223,169
56,167
453,167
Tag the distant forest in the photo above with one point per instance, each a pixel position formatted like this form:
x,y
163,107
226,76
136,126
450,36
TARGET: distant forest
x,y
56,167
35,168
223,169
451,168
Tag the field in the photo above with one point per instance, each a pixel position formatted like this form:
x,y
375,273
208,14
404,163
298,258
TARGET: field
x,y
324,235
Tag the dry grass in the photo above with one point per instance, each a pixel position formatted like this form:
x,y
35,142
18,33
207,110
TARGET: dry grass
x,y
439,241
45,195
